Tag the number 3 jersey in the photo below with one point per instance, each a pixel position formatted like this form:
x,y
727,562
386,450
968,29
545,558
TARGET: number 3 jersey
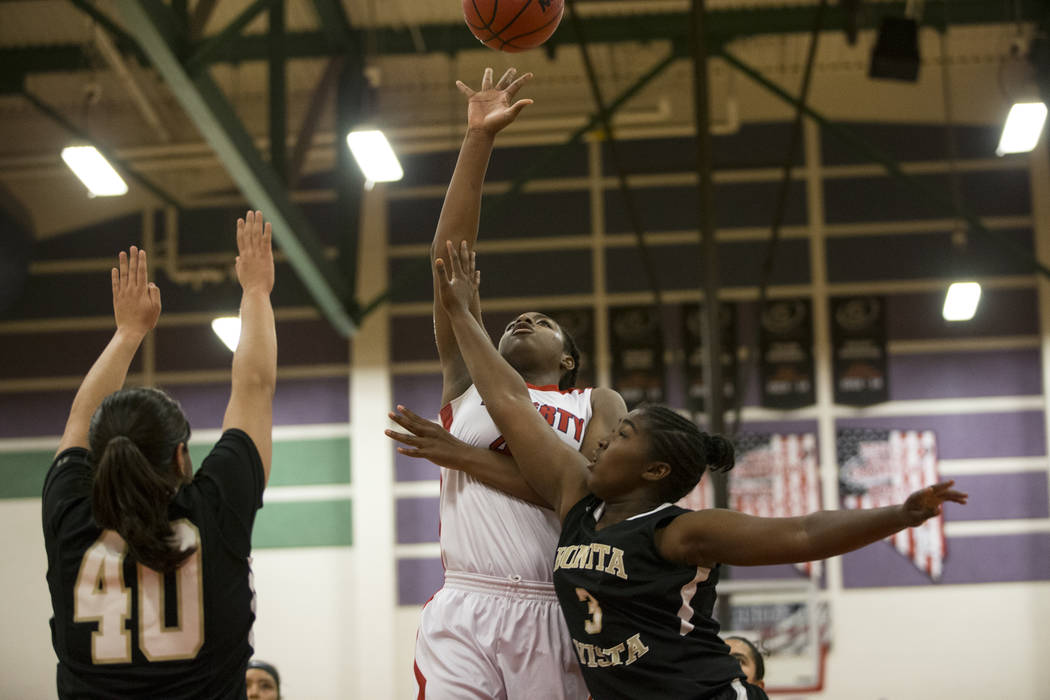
x,y
121,630
641,625
483,530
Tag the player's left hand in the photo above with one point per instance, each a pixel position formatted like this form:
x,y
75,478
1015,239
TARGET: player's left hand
x,y
426,439
458,279
136,300
926,503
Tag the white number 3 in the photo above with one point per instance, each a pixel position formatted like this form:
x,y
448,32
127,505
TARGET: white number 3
x,y
594,612
101,596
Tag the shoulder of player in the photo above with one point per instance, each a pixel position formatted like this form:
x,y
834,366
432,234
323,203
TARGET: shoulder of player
x,y
607,405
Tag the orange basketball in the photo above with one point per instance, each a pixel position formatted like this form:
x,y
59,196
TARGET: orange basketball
x,y
513,25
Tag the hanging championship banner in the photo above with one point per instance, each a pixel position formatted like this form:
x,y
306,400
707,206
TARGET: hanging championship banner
x,y
637,354
786,354
580,323
858,341
882,468
692,344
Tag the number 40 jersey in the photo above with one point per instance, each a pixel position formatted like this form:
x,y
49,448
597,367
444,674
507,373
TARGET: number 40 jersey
x,y
122,630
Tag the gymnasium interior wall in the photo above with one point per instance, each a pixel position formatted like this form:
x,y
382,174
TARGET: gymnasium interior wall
x,y
346,546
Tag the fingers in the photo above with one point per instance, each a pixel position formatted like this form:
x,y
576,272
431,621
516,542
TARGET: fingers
x,y
140,278
465,89
122,264
114,276
154,294
454,260
507,79
486,80
515,109
513,88
441,271
240,234
267,237
133,265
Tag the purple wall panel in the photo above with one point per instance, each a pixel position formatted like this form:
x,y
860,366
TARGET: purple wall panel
x,y
981,559
412,339
963,374
1001,312
297,402
34,414
422,394
418,580
972,435
1001,496
764,573
417,520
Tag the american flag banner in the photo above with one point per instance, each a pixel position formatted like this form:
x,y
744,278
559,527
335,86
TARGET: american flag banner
x,y
775,476
882,468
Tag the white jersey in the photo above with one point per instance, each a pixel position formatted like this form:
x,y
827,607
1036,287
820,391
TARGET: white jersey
x,y
483,530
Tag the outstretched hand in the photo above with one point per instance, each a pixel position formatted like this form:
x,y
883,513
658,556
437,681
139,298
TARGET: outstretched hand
x,y
457,286
136,300
490,108
254,253
426,439
926,503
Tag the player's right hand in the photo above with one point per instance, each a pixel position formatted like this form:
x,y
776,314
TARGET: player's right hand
x,y
255,253
490,109
458,279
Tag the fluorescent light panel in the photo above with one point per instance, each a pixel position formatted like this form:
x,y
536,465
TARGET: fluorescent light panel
x,y
1023,125
94,171
374,155
228,328
960,303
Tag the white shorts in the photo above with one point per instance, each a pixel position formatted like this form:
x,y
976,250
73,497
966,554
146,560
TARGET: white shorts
x,y
488,638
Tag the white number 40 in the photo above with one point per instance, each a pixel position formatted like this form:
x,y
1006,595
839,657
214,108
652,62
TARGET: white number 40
x,y
101,596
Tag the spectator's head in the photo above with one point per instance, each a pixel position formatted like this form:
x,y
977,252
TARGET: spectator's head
x,y
750,660
263,681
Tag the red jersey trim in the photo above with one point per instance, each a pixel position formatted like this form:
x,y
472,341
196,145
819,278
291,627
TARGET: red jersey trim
x,y
446,416
554,387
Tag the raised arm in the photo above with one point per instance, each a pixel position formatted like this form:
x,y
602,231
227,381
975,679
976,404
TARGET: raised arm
x,y
554,469
714,536
427,440
136,307
489,110
255,360
607,409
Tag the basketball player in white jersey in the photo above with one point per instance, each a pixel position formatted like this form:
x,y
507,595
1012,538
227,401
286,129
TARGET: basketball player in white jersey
x,y
494,630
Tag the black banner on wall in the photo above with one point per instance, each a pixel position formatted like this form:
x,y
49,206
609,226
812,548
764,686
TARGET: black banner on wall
x,y
694,353
858,341
637,354
580,323
786,354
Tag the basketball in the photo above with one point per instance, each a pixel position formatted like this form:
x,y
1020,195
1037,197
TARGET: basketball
x,y
513,25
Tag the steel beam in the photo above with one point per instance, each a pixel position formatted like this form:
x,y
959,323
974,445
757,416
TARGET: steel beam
x,y
892,167
150,22
278,93
723,25
121,165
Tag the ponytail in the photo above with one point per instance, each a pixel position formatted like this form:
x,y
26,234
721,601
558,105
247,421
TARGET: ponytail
x,y
689,451
134,481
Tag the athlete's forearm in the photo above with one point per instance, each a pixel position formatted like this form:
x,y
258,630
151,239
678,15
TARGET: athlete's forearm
x,y
500,472
255,360
461,210
106,375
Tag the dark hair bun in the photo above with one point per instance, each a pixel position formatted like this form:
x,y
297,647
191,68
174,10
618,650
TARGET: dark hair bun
x,y
719,454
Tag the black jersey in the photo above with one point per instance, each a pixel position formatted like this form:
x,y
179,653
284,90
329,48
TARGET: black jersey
x,y
641,625
121,630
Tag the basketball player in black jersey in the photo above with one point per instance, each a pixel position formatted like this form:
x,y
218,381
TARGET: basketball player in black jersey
x,y
148,564
635,575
